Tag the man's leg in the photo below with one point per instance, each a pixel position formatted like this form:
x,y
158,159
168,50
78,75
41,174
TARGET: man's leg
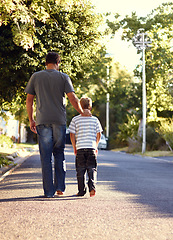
x,y
59,132
45,139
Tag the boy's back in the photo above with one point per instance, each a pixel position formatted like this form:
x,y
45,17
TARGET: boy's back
x,y
85,130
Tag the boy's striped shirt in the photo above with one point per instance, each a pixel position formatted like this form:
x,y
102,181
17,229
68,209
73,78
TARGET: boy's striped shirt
x,y
85,130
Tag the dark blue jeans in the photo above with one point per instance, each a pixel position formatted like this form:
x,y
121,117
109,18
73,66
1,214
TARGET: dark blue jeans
x,y
86,161
51,138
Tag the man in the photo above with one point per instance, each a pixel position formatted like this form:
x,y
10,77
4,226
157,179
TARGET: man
x,y
50,86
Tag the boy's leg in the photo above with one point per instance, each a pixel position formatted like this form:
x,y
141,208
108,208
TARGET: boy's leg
x,y
92,170
92,177
81,181
81,170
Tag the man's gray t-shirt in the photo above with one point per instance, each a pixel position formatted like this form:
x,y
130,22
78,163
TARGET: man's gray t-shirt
x,y
50,87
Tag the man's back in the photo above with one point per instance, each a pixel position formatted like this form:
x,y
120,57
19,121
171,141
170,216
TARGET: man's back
x,y
50,87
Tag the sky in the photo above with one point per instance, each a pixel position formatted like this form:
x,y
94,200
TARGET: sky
x,y
123,52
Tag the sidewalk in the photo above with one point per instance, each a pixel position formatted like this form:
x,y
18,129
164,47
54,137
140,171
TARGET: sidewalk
x,y
16,161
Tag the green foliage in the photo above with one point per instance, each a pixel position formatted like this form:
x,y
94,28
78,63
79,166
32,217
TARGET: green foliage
x,y
159,59
153,139
16,66
5,141
20,14
71,28
128,129
4,161
129,133
166,130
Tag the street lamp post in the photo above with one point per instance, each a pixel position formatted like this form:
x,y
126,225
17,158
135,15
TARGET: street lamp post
x,y
107,105
141,41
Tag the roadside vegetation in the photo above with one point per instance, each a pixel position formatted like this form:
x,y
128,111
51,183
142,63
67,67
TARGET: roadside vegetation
x,y
9,150
29,29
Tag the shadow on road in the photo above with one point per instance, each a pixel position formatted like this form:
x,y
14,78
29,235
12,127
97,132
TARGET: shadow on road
x,y
148,182
42,198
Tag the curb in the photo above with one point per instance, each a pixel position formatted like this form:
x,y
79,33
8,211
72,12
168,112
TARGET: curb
x,y
5,171
161,158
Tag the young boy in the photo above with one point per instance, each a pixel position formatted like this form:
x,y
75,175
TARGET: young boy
x,y
85,133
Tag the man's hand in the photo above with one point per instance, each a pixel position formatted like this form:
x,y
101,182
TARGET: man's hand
x,y
33,126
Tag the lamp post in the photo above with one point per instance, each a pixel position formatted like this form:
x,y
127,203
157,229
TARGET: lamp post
x,y
141,41
107,105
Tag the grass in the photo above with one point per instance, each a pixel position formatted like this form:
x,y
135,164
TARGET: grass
x,y
147,153
21,148
18,146
4,161
124,149
157,153
26,146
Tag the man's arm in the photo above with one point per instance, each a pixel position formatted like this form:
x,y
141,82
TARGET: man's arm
x,y
76,104
29,108
73,141
75,101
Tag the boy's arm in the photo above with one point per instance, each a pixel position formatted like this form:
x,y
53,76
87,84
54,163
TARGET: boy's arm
x,y
73,141
98,138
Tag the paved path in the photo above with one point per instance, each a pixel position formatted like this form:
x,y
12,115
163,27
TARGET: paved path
x,y
134,201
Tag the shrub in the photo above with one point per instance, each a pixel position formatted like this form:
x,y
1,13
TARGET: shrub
x,y
153,139
129,129
5,141
166,130
135,145
116,142
4,161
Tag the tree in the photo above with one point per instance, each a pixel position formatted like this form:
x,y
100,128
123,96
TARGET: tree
x,y
71,28
159,59
29,29
22,15
124,97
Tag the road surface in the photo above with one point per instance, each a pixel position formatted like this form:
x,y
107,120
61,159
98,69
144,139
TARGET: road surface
x,y
134,201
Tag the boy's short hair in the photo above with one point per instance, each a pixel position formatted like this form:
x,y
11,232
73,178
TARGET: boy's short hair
x,y
52,57
86,102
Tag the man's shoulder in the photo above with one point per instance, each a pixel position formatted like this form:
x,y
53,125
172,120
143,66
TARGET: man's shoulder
x,y
38,73
62,74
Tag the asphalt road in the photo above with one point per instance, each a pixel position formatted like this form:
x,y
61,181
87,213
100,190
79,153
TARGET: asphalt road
x,y
134,201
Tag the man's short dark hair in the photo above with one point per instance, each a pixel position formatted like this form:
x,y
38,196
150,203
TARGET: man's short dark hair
x,y
53,57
